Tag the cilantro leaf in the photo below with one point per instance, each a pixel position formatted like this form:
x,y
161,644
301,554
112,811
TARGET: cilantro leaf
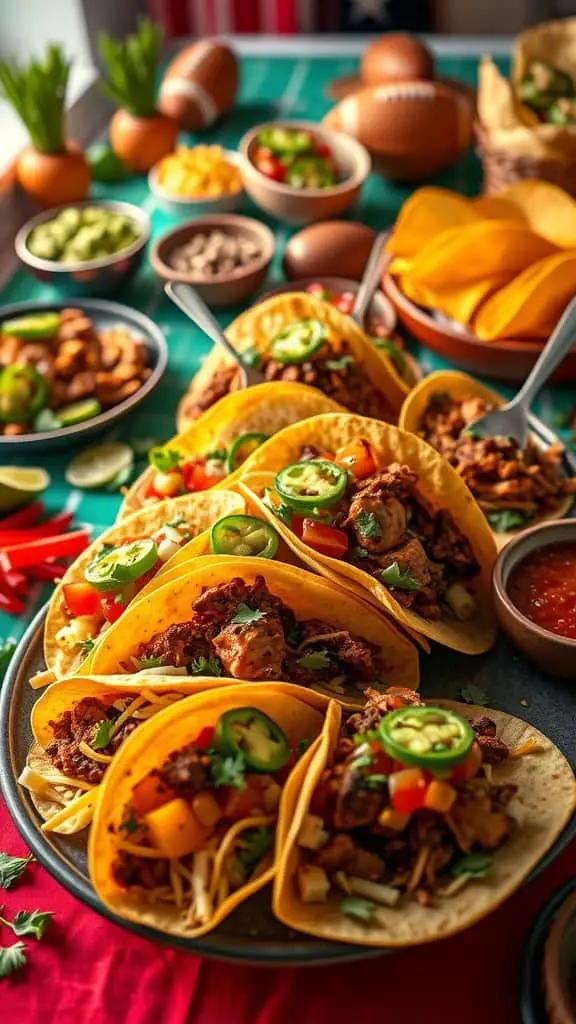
x,y
102,734
476,864
151,662
245,615
164,459
219,454
258,842
315,660
392,577
11,868
474,694
508,519
302,746
205,667
7,648
282,511
368,525
176,522
12,958
392,351
227,769
340,363
86,645
30,922
359,552
359,738
129,824
355,906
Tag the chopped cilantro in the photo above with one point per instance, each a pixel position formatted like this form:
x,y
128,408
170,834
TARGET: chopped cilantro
x,y
362,761
355,906
11,868
151,662
176,522
368,525
474,694
340,363
392,577
302,746
256,843
29,922
359,552
119,598
280,510
475,864
245,615
11,958
102,734
508,519
227,769
164,459
219,454
130,824
315,660
205,667
365,737
86,645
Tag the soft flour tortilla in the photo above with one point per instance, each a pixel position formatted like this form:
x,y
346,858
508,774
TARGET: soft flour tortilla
x,y
300,717
200,511
439,485
261,323
544,804
262,409
458,385
309,596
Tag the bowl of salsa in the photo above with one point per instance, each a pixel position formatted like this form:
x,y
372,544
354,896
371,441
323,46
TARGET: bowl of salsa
x,y
534,588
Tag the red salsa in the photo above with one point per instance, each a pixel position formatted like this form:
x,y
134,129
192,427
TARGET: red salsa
x,y
543,588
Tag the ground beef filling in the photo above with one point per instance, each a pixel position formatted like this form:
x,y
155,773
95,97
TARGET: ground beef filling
x,y
245,632
79,725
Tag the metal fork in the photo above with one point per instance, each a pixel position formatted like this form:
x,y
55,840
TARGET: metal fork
x,y
512,419
375,267
188,300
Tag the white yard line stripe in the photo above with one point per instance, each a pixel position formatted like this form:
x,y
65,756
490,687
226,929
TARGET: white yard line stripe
x,y
289,97
73,500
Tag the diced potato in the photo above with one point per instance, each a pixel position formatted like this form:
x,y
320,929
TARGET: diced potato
x,y
312,833
389,818
175,830
440,796
313,884
206,809
149,794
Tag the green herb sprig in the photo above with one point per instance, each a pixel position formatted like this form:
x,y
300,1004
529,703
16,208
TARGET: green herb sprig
x,y
131,65
37,92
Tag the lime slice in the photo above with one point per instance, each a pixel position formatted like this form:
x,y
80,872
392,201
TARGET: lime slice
x,y
77,412
97,466
38,325
105,165
18,486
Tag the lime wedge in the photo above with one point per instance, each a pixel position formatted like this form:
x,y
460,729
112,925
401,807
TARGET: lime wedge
x,y
79,411
18,486
37,325
97,466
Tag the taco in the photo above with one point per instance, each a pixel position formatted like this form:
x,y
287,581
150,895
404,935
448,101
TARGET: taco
x,y
112,572
254,620
295,336
184,828
416,821
377,506
209,453
514,487
78,724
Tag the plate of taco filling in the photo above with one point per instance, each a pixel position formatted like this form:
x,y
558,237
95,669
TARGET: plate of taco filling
x,y
255,620
209,453
115,569
371,503
295,337
415,821
191,808
514,487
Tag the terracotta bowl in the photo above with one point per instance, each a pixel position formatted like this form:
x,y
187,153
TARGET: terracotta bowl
x,y
555,655
503,360
303,206
559,968
218,290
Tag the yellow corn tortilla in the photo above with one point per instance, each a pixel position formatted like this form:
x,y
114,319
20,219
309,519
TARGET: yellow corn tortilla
x,y
261,323
200,511
309,596
263,409
458,385
545,802
148,747
439,486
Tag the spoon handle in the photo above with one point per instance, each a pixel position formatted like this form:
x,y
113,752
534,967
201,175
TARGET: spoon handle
x,y
556,348
375,267
188,300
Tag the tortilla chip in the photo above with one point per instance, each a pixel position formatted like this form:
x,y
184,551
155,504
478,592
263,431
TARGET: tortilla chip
x,y
309,596
439,485
547,209
538,775
426,213
531,305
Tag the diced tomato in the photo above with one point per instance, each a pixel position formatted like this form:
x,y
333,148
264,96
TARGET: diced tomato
x,y
345,302
469,767
269,165
243,803
81,598
319,291
205,737
197,479
322,149
111,608
357,457
407,789
150,793
382,762
327,540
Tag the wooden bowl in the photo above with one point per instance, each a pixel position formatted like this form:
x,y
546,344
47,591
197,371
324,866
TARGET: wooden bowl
x,y
218,290
303,206
507,360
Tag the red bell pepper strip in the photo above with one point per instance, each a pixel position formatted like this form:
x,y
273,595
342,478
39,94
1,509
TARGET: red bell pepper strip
x,y
9,602
327,540
68,545
17,581
24,517
52,527
46,572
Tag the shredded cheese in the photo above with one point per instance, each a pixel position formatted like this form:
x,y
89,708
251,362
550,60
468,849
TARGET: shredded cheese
x,y
141,851
81,805
176,883
126,714
454,887
529,747
41,679
229,841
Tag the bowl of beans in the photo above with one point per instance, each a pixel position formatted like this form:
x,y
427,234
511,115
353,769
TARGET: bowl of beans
x,y
198,180
224,256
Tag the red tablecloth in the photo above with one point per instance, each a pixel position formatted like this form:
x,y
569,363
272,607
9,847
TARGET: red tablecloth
x,y
88,970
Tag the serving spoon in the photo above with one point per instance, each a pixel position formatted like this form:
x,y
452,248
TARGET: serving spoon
x,y
511,420
189,301
378,260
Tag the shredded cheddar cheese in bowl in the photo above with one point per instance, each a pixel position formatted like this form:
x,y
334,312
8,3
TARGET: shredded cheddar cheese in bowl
x,y
199,172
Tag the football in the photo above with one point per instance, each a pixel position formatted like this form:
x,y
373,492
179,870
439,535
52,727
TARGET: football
x,y
200,85
396,57
411,129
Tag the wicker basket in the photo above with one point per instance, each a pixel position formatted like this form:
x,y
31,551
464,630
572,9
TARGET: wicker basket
x,y
502,168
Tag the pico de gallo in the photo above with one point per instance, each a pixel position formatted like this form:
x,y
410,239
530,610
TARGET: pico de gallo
x,y
177,474
346,505
543,588
295,157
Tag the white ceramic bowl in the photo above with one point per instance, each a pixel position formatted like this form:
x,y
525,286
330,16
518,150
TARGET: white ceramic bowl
x,y
190,206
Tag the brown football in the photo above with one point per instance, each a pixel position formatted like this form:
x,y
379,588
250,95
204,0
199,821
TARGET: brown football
x,y
396,57
411,129
199,85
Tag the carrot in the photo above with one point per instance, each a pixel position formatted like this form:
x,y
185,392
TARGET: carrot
x,y
54,179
